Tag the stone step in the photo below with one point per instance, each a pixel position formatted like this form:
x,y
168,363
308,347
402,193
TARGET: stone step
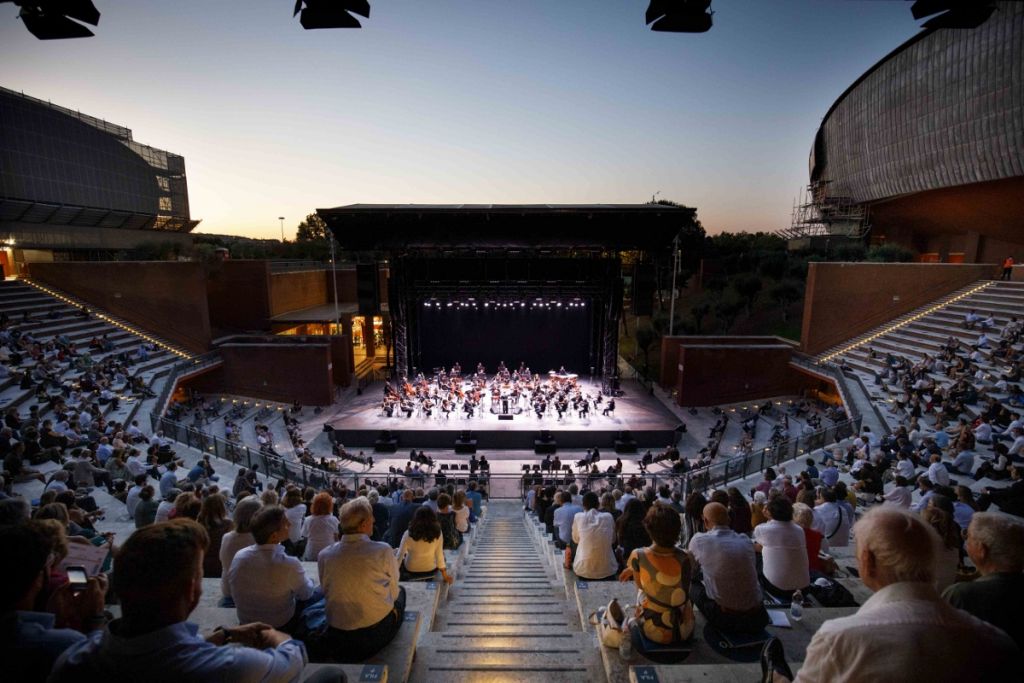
x,y
445,657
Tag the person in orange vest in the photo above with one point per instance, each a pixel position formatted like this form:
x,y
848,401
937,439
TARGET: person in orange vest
x,y
1007,268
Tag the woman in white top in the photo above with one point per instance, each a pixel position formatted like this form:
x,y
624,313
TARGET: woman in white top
x,y
461,511
422,548
236,539
320,529
295,511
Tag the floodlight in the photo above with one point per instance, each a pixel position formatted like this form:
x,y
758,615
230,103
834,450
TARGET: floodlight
x,y
953,13
331,13
679,16
57,19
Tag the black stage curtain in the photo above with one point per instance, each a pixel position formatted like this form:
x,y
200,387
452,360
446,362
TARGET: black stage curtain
x,y
545,339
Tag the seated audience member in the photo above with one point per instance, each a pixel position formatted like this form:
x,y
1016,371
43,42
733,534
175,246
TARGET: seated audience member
x,y
665,612
783,548
445,515
365,605
234,540
947,557
146,508
381,515
905,631
475,500
563,516
814,541
593,532
729,595
1010,499
833,518
630,528
159,581
31,641
461,511
422,547
267,584
900,495
295,510
320,529
995,544
401,515
213,516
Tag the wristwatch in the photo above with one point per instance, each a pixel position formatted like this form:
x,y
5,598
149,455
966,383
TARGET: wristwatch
x,y
224,630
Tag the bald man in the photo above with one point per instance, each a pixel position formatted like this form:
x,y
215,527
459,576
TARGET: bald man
x,y
905,631
729,595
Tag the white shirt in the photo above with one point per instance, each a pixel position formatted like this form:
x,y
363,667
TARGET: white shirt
x,y
983,432
900,496
135,466
229,547
594,533
421,556
938,474
133,499
295,515
834,522
620,504
905,468
1018,446
163,511
906,632
462,518
360,581
265,583
784,553
320,532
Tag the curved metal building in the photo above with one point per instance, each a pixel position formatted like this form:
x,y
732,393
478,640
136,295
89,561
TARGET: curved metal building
x,y
930,143
72,184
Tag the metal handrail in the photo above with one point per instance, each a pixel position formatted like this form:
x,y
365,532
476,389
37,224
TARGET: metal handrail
x,y
178,369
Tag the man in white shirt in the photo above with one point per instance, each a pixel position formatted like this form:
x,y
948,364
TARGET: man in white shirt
x,y
365,604
133,494
267,585
983,432
832,520
899,495
938,474
905,467
904,631
593,533
783,547
1016,451
627,495
729,596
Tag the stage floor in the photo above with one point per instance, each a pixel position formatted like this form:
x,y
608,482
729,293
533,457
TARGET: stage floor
x,y
358,419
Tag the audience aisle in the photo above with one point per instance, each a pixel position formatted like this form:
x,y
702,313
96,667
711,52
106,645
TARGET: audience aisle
x,y
507,617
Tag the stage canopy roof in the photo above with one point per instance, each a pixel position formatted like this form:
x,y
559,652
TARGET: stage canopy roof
x,y
401,227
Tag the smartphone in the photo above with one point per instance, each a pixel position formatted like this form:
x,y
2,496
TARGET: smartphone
x,y
78,579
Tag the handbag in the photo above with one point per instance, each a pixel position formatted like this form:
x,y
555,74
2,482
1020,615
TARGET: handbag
x,y
609,621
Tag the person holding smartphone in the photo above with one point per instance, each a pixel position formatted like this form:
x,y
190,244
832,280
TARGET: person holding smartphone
x,y
35,635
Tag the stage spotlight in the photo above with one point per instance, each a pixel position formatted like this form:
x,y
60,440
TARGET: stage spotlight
x,y
331,13
449,304
955,13
53,19
679,16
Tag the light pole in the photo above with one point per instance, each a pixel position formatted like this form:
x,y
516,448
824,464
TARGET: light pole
x,y
281,218
675,269
334,281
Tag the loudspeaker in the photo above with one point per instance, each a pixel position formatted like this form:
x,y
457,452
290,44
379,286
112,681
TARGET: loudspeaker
x,y
505,416
643,289
368,288
545,435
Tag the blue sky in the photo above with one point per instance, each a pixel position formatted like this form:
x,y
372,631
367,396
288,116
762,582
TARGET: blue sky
x,y
466,101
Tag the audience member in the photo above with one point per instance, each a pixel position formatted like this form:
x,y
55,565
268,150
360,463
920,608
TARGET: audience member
x,y
783,548
593,532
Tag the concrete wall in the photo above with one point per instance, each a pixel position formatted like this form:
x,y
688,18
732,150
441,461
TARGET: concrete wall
x,y
298,290
167,298
239,295
714,370
279,372
843,300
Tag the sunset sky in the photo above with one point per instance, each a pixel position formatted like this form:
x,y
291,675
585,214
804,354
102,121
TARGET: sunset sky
x,y
466,101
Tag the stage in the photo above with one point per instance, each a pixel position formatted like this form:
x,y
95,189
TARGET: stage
x,y
359,422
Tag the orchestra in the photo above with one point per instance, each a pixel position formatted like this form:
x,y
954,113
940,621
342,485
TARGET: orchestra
x,y
447,394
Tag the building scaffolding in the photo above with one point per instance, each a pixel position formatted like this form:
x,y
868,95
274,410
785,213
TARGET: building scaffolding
x,y
820,214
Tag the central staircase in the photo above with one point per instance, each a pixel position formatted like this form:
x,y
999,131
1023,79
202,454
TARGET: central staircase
x,y
507,617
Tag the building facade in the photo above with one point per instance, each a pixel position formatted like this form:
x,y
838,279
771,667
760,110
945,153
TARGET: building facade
x,y
73,186
928,144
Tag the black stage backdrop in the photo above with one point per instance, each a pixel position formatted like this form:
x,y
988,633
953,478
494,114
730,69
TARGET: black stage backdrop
x,y
545,339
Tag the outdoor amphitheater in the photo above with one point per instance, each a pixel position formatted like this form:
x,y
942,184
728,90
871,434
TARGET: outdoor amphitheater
x,y
501,442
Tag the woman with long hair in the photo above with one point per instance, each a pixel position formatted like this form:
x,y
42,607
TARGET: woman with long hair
x,y
236,539
213,516
739,512
947,560
630,533
461,511
421,552
446,516
693,517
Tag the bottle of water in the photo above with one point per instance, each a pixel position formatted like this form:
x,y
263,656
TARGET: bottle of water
x,y
626,645
796,608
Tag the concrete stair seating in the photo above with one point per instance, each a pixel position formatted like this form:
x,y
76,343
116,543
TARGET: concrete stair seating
x,y
507,617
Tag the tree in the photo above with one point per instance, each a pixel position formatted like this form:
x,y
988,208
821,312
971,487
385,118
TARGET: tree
x,y
748,286
726,311
785,293
312,229
645,340
701,310
890,253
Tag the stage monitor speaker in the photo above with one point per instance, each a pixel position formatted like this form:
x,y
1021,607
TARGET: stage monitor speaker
x,y
643,289
505,416
368,288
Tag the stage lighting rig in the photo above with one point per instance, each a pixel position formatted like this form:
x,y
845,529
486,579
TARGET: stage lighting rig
x,y
57,19
954,13
680,16
331,13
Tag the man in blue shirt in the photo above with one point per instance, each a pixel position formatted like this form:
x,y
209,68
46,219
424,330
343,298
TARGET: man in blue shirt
x,y
563,519
478,501
169,479
159,579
